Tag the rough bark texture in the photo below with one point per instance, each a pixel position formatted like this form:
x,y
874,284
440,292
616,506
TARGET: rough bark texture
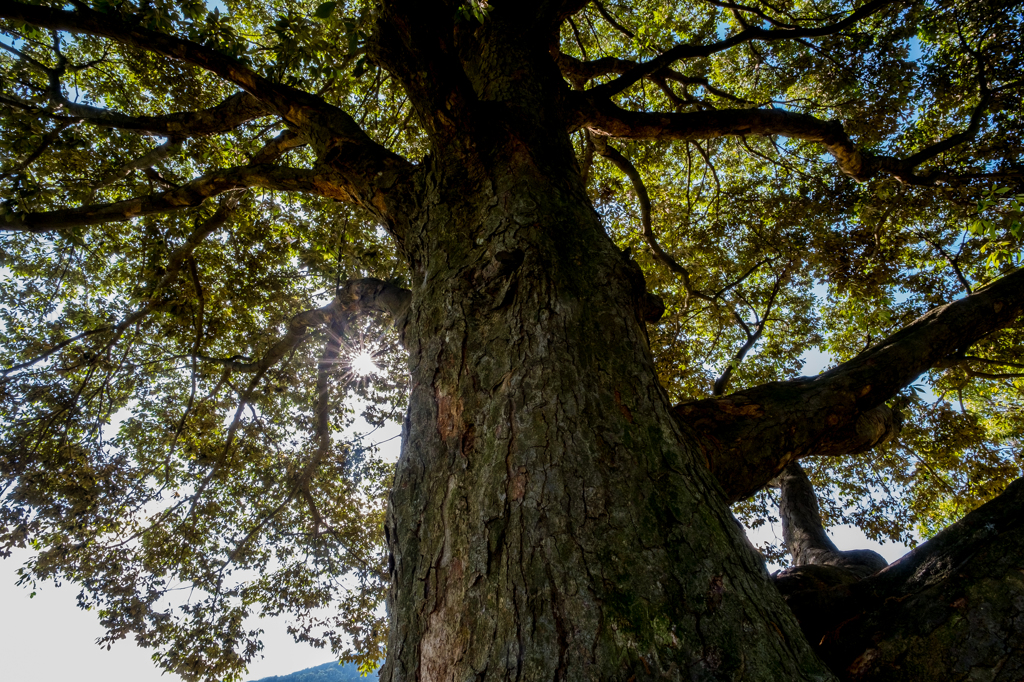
x,y
952,609
550,519
553,516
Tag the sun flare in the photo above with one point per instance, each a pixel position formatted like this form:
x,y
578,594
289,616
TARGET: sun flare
x,y
363,364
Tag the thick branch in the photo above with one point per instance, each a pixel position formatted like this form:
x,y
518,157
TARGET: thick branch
x,y
752,435
370,172
579,71
949,610
189,195
609,119
803,532
228,115
605,117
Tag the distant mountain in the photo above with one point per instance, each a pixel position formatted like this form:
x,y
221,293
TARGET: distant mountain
x,y
328,672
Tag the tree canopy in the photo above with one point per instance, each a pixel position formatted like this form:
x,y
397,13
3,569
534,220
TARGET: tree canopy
x,y
198,246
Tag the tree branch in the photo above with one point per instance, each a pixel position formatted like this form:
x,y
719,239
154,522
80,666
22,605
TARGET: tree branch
x,y
752,338
147,160
580,71
189,195
750,436
954,595
606,15
608,119
687,51
804,534
357,296
370,172
624,164
177,258
224,117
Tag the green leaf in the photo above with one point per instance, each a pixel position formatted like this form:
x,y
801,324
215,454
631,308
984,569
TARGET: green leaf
x,y
325,10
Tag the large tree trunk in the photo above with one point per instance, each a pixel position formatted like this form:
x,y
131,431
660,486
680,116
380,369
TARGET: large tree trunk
x,y
550,518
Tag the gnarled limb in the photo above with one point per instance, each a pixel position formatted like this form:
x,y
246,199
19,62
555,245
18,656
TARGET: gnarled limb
x,y
606,117
804,534
750,436
952,609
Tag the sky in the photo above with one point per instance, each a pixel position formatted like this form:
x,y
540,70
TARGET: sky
x,y
46,638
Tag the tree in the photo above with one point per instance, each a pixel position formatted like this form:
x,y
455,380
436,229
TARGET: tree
x,y
603,236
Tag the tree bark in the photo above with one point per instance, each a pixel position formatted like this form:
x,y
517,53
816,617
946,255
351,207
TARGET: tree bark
x,y
550,519
553,516
952,609
804,534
